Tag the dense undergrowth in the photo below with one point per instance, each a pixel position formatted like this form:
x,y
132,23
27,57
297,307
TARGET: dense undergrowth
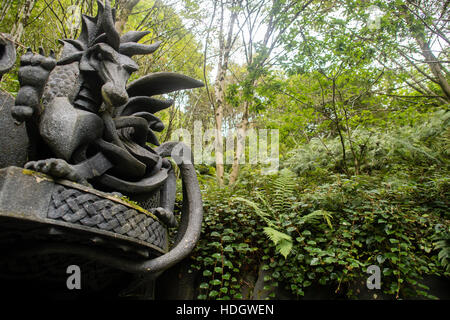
x,y
311,224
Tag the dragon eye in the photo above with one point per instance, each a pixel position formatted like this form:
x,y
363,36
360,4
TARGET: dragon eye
x,y
100,56
130,68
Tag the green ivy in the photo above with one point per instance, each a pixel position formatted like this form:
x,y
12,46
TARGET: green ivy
x,y
324,228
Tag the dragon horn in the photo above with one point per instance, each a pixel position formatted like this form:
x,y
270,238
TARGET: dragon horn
x,y
133,48
161,83
133,36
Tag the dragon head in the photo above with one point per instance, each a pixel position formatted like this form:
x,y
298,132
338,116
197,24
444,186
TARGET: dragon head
x,y
114,70
100,63
104,55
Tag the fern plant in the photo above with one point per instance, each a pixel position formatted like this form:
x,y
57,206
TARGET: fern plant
x,y
282,241
443,245
425,144
278,211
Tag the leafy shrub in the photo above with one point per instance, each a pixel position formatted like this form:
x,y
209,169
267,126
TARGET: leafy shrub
x,y
323,227
443,245
424,143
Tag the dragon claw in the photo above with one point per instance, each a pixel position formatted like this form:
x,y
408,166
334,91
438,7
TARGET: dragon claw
x,y
166,216
57,168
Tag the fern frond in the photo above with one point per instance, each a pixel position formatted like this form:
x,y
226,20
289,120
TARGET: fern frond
x,y
283,190
264,201
443,245
282,241
318,214
261,213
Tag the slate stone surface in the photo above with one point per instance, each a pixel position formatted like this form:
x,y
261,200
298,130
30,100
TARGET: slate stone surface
x,y
7,54
19,195
13,137
31,196
85,125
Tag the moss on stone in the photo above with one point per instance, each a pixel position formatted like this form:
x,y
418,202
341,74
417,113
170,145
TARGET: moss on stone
x,y
125,199
136,206
40,175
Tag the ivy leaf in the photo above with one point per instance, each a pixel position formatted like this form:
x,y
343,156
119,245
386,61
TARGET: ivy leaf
x,y
215,282
207,273
213,293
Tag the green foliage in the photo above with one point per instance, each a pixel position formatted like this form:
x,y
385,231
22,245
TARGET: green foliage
x,y
228,245
323,227
423,143
279,211
443,245
282,241
364,138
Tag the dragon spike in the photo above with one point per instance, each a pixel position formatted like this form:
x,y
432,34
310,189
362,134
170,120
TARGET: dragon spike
x,y
109,28
84,34
101,38
71,58
99,18
100,9
84,30
88,30
91,19
79,45
133,36
133,48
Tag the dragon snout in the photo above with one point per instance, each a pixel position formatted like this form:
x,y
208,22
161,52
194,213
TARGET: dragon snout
x,y
114,95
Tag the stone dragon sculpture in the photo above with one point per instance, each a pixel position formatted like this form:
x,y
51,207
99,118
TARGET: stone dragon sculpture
x,y
85,124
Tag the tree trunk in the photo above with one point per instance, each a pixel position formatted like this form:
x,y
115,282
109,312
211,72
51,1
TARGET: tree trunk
x,y
218,116
124,8
338,128
222,68
433,63
240,146
23,16
435,66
